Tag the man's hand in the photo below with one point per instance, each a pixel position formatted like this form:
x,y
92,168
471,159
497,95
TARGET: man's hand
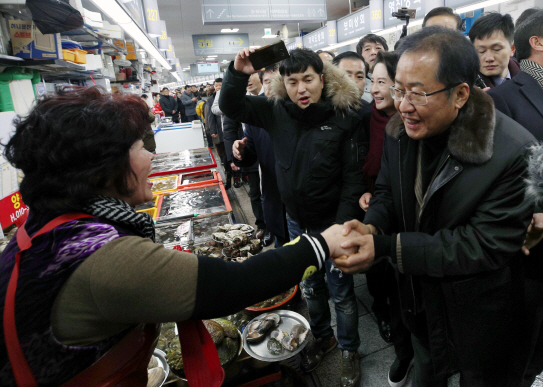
x,y
334,238
534,233
364,201
239,147
234,166
194,99
214,135
362,260
242,62
361,228
173,111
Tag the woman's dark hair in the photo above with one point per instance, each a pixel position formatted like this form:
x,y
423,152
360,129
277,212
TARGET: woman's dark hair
x,y
210,91
298,62
532,26
76,144
487,24
390,60
458,60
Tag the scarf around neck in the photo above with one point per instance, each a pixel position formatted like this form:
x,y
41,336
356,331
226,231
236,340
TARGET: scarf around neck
x,y
378,123
121,212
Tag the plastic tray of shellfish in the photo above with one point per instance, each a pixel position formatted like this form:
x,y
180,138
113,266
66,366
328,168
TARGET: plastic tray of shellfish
x,y
276,336
203,228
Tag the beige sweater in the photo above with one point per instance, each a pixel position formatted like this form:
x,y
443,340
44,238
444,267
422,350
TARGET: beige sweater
x,y
128,281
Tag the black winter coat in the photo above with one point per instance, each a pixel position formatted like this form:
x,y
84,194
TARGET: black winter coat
x,y
168,105
318,168
259,149
458,270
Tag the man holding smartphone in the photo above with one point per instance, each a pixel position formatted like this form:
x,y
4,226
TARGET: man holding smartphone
x,y
314,132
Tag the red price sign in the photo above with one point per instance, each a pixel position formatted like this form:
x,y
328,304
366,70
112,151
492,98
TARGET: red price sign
x,y
12,210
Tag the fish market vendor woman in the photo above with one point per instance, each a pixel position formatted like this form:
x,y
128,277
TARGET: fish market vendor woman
x,y
88,289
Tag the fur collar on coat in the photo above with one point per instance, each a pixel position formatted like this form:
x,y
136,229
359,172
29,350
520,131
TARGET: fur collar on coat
x,y
472,133
339,89
534,182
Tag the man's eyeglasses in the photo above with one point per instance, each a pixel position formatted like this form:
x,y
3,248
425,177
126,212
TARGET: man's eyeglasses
x,y
418,98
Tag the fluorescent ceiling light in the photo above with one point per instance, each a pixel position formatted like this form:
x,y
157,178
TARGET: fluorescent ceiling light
x,y
255,47
121,17
176,76
473,7
269,36
211,56
229,30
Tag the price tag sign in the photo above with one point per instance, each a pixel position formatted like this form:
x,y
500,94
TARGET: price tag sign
x,y
12,210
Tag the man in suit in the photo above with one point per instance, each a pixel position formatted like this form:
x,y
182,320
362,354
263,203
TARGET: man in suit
x,y
492,36
522,100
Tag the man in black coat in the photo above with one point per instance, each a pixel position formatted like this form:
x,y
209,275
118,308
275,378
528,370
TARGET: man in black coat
x,y
314,134
449,211
169,104
492,36
257,147
522,100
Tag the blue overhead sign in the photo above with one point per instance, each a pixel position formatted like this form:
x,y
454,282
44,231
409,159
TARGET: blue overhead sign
x,y
355,25
250,11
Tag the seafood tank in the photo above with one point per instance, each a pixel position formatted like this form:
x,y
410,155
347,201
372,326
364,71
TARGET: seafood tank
x,y
203,228
175,161
192,178
190,203
164,184
178,233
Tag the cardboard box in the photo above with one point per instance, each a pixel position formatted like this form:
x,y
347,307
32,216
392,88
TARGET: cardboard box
x,y
120,76
29,43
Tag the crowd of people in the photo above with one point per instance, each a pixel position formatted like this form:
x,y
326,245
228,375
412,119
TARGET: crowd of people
x,y
423,152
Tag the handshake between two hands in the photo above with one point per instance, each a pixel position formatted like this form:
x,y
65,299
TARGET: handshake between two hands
x,y
351,246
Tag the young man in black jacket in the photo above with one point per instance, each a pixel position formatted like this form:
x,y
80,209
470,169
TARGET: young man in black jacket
x,y
314,130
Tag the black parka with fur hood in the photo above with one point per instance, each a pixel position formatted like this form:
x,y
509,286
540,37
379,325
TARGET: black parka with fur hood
x,y
319,150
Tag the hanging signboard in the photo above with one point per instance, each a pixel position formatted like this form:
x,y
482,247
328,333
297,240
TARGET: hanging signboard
x,y
152,18
250,11
297,43
391,6
355,25
163,38
322,37
376,15
219,43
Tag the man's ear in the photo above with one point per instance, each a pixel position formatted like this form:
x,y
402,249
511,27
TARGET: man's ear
x,y
536,42
461,95
513,50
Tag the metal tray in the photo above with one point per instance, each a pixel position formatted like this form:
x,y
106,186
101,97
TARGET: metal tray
x,y
288,320
162,363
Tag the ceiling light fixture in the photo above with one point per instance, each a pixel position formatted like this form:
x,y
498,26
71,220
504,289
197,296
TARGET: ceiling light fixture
x,y
255,47
473,7
225,30
113,10
269,36
176,76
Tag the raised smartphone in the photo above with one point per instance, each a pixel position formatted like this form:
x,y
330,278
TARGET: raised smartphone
x,y
268,55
